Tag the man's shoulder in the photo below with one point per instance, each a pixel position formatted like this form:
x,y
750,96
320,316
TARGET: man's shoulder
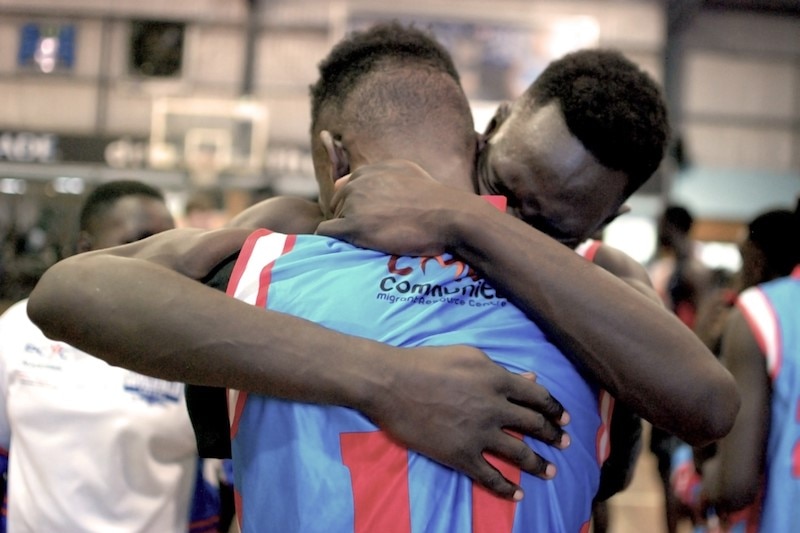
x,y
284,214
620,264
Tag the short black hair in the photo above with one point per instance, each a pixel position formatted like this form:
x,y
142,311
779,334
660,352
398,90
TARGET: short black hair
x,y
612,106
361,52
775,233
106,195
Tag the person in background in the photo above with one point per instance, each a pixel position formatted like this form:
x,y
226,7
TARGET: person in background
x,y
769,252
93,447
677,273
765,256
682,281
203,211
757,464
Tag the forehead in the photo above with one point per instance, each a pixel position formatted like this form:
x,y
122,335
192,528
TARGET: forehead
x,y
538,138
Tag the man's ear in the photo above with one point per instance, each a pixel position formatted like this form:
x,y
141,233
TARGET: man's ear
x,y
337,155
500,116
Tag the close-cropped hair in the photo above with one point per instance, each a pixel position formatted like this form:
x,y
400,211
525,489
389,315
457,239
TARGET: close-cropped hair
x,y
106,195
612,106
409,102
363,51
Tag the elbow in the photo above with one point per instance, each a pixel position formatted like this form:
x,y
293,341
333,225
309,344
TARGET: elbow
x,y
717,406
53,301
43,309
733,495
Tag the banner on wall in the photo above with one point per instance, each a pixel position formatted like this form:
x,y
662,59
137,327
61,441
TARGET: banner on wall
x,y
50,148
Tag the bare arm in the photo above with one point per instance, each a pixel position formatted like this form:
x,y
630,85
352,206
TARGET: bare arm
x,y
626,426
732,477
630,344
450,403
286,214
627,269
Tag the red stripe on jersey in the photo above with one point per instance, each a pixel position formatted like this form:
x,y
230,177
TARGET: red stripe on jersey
x,y
241,398
237,504
499,201
244,258
379,475
605,405
591,251
491,514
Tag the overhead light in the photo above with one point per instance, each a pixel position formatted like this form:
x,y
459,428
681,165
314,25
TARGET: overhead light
x,y
68,185
13,186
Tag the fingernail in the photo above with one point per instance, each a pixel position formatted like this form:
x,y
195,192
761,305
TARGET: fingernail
x,y
565,440
518,495
564,420
529,375
550,471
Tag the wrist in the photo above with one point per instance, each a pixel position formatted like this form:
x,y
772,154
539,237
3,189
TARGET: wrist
x,y
375,370
462,224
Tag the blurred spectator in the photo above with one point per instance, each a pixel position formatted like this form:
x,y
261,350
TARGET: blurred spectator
x,y
204,210
93,447
753,481
681,280
765,256
677,273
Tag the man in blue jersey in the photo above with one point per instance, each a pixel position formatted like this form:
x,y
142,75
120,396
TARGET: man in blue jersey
x,y
752,483
651,333
382,108
765,257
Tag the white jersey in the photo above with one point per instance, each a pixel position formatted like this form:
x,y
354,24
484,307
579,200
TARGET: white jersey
x,y
92,447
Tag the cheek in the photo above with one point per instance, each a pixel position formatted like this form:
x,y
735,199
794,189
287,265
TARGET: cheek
x,y
575,216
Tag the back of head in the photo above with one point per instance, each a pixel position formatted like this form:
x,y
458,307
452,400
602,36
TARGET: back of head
x,y
392,91
679,218
674,226
612,106
359,53
774,234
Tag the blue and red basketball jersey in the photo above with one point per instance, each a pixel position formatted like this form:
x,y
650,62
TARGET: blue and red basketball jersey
x,y
311,468
773,313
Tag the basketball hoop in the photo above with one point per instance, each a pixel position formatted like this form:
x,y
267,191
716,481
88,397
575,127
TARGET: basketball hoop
x,y
207,152
207,137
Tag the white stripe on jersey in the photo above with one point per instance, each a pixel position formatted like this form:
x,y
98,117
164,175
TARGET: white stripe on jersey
x,y
761,316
